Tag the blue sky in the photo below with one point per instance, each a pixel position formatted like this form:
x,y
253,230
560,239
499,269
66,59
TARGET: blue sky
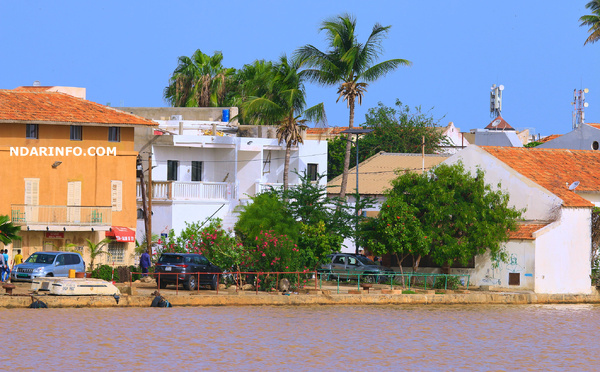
x,y
123,52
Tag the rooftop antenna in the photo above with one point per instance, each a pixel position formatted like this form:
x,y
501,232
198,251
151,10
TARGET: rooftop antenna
x,y
579,104
496,100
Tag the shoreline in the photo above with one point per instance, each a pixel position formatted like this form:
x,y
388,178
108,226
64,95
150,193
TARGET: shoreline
x,y
319,299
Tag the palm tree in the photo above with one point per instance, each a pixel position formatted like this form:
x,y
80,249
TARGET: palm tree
x,y
347,64
8,231
199,81
592,21
95,249
283,104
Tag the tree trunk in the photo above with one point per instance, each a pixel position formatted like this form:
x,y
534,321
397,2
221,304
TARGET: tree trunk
x,y
286,165
348,148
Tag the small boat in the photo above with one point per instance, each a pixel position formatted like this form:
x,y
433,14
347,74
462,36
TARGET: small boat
x,y
75,287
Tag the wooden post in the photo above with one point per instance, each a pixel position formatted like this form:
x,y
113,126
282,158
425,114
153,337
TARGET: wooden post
x,y
149,210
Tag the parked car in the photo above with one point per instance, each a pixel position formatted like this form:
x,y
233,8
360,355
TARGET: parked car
x,y
42,264
350,266
189,269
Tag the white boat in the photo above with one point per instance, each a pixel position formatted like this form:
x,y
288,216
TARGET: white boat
x,y
75,287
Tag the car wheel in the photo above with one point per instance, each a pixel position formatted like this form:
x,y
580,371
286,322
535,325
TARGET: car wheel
x,y
50,275
368,279
191,283
213,283
162,284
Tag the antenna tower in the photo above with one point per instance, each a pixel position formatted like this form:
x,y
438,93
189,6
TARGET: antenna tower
x,y
579,105
496,100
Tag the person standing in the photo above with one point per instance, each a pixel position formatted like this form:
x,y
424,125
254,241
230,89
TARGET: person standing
x,y
18,259
3,265
145,263
6,266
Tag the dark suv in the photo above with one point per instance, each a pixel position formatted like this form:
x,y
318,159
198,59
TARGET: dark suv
x,y
351,266
189,269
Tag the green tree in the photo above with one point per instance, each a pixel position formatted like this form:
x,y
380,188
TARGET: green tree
x,y
95,249
395,129
198,81
283,105
348,64
8,231
459,216
533,144
592,21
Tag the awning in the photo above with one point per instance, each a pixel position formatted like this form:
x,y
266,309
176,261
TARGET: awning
x,y
121,234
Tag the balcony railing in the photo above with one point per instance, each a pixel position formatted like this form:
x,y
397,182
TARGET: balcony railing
x,y
267,186
52,215
176,190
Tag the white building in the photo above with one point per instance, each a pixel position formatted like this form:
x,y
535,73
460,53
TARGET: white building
x,y
550,252
205,168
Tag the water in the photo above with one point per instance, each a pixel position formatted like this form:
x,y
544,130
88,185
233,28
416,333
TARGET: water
x,y
336,338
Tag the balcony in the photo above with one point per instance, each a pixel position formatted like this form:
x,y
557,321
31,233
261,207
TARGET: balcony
x,y
261,187
176,190
44,216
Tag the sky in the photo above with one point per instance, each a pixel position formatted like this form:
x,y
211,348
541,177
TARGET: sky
x,y
123,52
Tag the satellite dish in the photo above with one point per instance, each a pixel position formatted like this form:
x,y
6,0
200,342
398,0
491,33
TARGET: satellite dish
x,y
586,104
574,185
501,87
496,122
586,90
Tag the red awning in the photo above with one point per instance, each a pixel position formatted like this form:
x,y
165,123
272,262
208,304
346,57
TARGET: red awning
x,y
121,234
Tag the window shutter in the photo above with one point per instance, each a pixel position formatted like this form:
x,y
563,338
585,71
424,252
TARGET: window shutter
x,y
32,191
74,193
116,195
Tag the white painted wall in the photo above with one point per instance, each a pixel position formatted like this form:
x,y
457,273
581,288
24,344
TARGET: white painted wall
x,y
562,263
524,193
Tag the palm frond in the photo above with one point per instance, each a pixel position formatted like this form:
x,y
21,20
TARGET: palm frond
x,y
381,69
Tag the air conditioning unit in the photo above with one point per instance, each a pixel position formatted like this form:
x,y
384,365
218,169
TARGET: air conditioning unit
x,y
177,117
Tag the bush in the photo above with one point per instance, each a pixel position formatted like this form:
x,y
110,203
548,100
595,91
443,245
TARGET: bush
x,y
105,272
453,282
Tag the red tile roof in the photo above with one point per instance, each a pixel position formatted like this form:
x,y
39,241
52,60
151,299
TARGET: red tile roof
x,y
595,125
550,138
32,106
330,130
499,124
525,231
555,170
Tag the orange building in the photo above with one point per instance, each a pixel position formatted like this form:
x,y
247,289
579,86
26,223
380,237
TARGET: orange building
x,y
68,172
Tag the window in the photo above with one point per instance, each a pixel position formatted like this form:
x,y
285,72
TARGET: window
x,y
32,191
116,195
311,170
76,131
114,134
172,166
116,252
595,145
197,171
31,131
72,259
514,279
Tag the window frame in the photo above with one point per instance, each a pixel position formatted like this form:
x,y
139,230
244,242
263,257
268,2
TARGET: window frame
x,y
197,170
32,131
114,134
172,170
76,133
312,171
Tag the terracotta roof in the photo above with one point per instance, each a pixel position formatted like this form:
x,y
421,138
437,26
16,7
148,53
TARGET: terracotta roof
x,y
595,125
499,124
525,231
555,170
330,130
376,173
52,107
550,138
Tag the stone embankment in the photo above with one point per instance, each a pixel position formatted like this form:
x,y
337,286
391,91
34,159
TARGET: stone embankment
x,y
142,297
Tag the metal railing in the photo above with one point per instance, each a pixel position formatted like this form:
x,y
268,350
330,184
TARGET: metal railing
x,y
177,190
22,214
408,280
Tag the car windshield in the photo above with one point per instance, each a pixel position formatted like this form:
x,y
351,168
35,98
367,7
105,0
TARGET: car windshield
x,y
171,259
41,258
365,260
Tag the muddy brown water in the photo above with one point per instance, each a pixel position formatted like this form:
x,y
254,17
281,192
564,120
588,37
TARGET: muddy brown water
x,y
336,338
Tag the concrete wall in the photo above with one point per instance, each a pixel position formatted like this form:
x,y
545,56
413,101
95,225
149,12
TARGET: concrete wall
x,y
562,263
581,138
188,113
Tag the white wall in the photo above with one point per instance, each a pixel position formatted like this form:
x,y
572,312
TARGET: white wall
x,y
562,263
540,203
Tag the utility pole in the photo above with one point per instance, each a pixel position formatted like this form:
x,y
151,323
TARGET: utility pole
x,y
140,173
149,210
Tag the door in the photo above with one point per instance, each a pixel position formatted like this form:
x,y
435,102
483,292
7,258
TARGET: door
x,y
338,266
60,265
32,200
73,202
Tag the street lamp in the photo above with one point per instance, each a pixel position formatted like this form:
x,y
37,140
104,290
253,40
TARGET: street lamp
x,y
357,131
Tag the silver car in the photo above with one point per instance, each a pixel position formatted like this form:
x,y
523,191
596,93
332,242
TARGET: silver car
x,y
352,266
43,264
